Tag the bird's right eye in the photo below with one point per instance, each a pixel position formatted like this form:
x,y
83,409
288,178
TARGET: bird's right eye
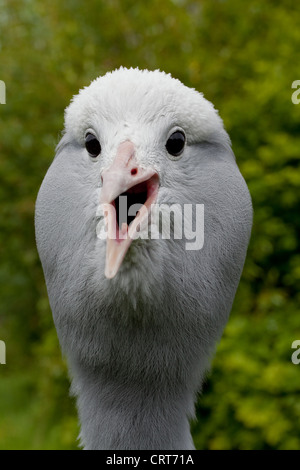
x,y
92,145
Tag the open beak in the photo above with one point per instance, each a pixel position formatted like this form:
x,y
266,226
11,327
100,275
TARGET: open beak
x,y
125,185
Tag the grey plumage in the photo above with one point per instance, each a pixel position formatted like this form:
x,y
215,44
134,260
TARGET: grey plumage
x,y
138,344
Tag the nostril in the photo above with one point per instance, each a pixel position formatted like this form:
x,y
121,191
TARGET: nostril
x,y
134,171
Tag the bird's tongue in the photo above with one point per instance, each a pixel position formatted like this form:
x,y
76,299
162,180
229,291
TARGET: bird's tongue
x,y
123,177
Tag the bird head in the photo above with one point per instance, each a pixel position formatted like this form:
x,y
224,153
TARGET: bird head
x,y
136,142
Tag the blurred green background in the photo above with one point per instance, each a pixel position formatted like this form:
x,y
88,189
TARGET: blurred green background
x,y
244,57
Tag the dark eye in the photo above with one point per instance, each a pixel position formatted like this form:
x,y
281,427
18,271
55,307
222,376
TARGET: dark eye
x,y
175,143
92,145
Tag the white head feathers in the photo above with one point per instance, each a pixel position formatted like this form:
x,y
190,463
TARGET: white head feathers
x,y
127,95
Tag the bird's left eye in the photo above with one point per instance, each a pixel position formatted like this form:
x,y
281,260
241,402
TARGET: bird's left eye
x,y
92,145
175,143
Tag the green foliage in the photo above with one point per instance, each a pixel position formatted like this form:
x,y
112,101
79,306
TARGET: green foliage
x,y
244,57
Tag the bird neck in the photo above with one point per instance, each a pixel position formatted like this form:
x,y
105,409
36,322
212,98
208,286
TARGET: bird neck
x,y
121,414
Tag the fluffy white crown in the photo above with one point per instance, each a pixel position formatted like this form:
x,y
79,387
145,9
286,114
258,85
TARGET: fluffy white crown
x,y
143,96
